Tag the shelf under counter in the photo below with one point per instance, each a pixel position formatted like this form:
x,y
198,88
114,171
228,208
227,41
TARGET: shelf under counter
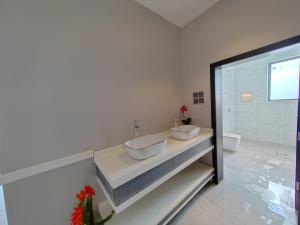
x,y
152,175
162,204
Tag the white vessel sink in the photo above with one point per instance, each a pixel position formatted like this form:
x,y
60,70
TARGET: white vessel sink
x,y
185,132
145,147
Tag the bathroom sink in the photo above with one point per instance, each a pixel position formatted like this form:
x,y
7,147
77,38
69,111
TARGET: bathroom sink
x,y
145,147
185,132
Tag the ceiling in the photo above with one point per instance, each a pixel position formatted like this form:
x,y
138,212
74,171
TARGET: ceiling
x,y
179,12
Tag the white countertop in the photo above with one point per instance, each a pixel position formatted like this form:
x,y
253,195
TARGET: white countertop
x,y
119,168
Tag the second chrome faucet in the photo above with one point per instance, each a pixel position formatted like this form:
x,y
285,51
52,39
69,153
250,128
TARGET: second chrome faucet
x,y
136,128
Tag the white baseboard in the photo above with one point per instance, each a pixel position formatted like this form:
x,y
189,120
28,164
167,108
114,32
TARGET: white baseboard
x,y
44,167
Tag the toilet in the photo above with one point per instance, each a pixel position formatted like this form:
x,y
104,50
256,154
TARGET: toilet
x,y
231,141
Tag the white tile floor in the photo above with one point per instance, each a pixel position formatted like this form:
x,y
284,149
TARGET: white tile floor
x,y
258,189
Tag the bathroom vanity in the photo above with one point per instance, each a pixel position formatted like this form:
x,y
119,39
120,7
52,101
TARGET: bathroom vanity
x,y
154,190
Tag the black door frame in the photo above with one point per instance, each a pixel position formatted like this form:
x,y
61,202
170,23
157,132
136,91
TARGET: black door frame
x,y
216,106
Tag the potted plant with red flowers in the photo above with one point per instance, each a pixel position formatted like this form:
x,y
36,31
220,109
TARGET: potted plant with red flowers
x,y
83,213
185,121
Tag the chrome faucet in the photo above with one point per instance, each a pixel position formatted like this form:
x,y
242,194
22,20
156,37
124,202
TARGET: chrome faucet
x,y
136,128
176,117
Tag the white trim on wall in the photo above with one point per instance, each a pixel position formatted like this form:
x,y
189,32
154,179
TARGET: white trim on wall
x,y
44,167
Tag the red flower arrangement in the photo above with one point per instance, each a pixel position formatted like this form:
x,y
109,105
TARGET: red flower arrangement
x,y
83,213
185,121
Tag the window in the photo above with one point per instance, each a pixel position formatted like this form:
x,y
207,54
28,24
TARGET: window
x,y
283,79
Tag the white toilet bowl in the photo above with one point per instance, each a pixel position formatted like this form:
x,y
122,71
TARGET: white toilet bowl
x,y
231,141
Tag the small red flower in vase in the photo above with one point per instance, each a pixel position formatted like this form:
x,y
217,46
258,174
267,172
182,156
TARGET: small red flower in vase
x,y
187,120
183,109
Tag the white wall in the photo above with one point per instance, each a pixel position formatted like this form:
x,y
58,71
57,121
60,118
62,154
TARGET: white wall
x,y
262,120
74,75
228,100
229,28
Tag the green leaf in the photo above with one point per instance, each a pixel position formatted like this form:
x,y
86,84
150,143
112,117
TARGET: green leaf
x,y
188,120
